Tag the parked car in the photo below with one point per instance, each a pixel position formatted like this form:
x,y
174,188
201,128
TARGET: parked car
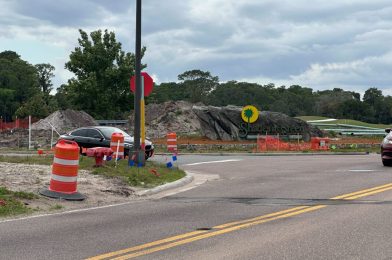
x,y
386,148
99,136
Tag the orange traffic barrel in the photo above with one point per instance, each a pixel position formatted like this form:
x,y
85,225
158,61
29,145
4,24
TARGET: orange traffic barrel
x,y
172,142
63,181
324,144
314,143
117,145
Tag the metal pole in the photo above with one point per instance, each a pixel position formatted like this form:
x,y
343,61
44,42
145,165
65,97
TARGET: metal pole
x,y
118,148
29,132
138,80
51,140
143,127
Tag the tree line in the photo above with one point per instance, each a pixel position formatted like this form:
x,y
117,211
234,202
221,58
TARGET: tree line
x,y
100,87
295,100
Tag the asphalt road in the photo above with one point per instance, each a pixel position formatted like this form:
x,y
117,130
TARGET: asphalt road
x,y
279,207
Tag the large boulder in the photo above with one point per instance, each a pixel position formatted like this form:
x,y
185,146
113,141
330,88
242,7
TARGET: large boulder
x,y
225,123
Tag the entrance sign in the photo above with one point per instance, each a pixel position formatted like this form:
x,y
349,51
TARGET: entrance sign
x,y
250,114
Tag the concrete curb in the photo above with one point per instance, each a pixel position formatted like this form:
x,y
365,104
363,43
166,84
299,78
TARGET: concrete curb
x,y
168,186
269,154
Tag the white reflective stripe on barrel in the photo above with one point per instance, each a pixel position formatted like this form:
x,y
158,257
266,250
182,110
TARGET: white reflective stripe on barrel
x,y
65,162
115,144
171,145
64,178
171,140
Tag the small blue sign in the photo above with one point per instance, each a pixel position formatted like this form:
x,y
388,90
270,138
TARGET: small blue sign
x,y
169,165
174,158
131,163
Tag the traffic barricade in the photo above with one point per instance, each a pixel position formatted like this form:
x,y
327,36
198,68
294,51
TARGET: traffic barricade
x,y
319,143
63,182
117,145
172,142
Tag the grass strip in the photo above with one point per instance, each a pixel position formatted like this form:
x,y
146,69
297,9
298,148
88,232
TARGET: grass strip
x,y
151,175
11,204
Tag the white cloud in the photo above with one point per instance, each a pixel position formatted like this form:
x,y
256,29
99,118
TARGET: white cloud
x,y
362,74
320,44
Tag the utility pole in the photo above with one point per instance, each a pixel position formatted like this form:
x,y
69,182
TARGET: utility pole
x,y
138,89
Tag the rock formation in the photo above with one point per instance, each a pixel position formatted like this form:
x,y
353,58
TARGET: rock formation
x,y
225,123
218,123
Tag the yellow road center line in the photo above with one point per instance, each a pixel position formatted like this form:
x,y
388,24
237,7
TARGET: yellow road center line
x,y
361,191
215,233
369,193
232,226
143,246
260,217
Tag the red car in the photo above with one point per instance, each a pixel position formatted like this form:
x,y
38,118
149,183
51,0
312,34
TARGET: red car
x,y
386,149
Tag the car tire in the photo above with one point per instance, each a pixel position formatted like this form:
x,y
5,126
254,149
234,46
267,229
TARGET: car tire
x,y
387,162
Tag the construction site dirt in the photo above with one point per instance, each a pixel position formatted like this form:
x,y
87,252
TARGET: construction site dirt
x,y
31,178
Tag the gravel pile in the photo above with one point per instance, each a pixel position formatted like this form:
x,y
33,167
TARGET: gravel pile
x,y
64,120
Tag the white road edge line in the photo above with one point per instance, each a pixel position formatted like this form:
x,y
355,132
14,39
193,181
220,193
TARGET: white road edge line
x,y
222,161
67,212
361,170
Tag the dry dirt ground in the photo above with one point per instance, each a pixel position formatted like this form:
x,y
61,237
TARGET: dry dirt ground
x,y
31,178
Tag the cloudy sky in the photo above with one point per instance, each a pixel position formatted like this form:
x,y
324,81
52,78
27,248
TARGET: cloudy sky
x,y
319,44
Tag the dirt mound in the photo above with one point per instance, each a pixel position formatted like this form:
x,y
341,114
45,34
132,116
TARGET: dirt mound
x,y
172,116
64,120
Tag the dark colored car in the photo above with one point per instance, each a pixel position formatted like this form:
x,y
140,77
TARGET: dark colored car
x,y
99,136
386,149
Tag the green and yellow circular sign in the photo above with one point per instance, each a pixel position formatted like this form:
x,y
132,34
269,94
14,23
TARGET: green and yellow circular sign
x,y
250,114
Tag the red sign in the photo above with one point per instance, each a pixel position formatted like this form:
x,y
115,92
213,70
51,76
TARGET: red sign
x,y
148,83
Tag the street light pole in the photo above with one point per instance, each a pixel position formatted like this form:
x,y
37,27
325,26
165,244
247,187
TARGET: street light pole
x,y
138,88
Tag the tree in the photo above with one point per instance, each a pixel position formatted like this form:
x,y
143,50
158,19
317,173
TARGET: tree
x,y
198,84
372,96
62,97
103,71
167,92
18,83
35,106
45,75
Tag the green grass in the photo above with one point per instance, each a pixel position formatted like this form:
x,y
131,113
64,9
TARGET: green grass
x,y
310,118
344,121
151,175
10,203
359,123
43,160
56,207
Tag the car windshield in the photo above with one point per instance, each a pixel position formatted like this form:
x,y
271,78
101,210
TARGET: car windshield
x,y
108,131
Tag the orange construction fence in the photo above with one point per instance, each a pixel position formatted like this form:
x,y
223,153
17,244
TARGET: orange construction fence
x,y
272,143
18,123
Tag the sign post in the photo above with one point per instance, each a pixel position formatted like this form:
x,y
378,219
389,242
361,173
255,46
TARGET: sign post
x,y
142,160
146,89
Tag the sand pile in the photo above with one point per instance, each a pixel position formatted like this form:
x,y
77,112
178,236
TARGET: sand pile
x,y
64,120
